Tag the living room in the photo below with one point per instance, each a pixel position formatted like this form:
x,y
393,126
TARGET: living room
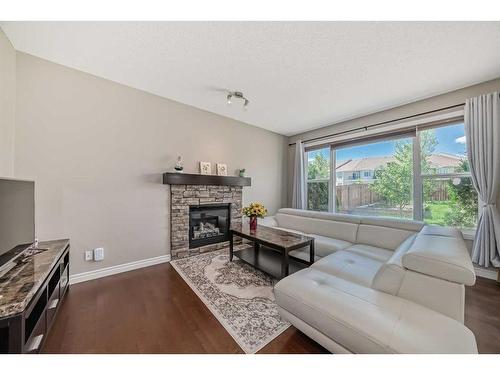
x,y
210,187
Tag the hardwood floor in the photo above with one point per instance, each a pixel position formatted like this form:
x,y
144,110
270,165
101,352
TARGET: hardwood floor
x,y
482,314
152,310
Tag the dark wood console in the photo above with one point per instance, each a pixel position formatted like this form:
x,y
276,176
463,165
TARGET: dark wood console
x,y
30,297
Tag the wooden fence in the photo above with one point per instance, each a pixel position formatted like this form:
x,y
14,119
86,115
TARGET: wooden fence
x,y
356,195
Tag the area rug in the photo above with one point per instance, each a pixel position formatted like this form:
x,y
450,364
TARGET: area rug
x,y
240,296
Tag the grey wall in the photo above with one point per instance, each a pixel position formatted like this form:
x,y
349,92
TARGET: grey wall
x,y
96,150
7,105
436,102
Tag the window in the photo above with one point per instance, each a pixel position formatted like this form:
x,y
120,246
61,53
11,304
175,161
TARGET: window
x,y
390,194
422,175
448,197
318,179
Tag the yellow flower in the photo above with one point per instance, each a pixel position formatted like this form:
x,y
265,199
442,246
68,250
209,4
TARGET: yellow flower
x,y
254,209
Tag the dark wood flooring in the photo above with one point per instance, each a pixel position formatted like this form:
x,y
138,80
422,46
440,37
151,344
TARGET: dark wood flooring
x,y
152,310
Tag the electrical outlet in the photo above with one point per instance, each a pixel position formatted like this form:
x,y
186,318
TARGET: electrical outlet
x,y
89,255
98,254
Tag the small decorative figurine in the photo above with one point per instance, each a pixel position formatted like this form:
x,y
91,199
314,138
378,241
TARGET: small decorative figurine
x,y
178,166
242,172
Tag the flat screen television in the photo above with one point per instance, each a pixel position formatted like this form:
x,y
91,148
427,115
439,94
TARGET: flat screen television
x,y
17,217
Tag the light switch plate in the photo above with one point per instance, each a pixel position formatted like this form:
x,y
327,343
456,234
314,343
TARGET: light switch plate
x,y
89,255
98,254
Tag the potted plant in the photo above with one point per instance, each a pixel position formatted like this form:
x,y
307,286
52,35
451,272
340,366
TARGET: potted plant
x,y
253,211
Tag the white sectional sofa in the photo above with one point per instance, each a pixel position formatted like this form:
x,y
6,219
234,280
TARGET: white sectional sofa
x,y
377,285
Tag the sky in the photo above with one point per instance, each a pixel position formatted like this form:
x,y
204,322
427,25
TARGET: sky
x,y
451,140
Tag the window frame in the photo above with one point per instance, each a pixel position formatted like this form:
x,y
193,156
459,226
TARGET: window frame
x,y
317,180
418,177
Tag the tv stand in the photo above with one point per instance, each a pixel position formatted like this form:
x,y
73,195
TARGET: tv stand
x,y
30,296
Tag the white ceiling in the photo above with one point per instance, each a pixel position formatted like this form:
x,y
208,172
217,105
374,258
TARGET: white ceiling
x,y
297,75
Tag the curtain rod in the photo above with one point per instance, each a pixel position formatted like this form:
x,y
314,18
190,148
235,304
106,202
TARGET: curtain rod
x,y
366,127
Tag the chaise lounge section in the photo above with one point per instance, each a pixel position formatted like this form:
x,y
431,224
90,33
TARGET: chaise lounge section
x,y
378,285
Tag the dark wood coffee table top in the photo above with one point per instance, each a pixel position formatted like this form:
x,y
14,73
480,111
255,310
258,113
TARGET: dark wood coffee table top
x,y
272,236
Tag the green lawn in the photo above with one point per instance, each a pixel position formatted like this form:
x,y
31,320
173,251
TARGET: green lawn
x,y
435,212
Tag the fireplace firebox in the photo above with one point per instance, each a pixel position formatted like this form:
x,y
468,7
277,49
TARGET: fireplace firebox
x,y
209,224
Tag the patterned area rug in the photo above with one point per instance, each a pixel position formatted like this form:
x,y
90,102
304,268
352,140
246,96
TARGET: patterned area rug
x,y
240,296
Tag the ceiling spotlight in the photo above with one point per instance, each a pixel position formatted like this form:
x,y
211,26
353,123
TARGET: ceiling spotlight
x,y
237,95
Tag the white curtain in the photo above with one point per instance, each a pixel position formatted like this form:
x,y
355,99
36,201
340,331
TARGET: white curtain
x,y
299,182
482,130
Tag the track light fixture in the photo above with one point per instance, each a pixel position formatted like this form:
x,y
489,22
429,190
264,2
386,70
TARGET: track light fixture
x,y
237,95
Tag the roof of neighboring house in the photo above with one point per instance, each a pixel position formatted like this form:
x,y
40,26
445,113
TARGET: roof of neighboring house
x,y
364,164
444,160
369,164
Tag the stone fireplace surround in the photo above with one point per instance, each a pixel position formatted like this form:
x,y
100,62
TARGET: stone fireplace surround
x,y
181,197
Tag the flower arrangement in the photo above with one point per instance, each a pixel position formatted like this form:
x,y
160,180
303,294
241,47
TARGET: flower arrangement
x,y
254,210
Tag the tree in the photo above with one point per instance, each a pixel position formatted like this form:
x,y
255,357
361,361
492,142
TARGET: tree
x,y
463,200
394,182
318,168
317,192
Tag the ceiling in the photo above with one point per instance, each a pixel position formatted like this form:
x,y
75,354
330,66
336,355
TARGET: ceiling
x,y
297,75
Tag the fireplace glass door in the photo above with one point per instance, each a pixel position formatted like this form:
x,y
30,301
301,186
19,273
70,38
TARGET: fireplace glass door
x,y
208,224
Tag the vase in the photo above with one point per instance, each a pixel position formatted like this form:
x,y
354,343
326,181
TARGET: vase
x,y
253,223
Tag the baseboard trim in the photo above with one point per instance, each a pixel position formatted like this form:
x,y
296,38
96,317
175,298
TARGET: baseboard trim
x,y
486,273
113,270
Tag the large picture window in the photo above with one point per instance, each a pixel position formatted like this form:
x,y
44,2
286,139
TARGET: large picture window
x,y
423,176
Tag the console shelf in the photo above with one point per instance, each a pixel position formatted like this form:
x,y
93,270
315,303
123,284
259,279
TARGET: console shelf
x,y
31,294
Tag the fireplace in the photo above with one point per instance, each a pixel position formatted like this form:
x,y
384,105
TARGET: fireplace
x,y
188,200
209,224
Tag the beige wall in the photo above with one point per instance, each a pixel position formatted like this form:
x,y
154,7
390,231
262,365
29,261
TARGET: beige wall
x,y
7,105
436,102
96,150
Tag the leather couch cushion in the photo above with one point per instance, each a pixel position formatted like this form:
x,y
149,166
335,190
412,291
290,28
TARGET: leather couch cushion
x,y
324,246
435,230
379,236
364,320
373,252
349,266
410,225
443,257
345,218
341,230
268,221
390,276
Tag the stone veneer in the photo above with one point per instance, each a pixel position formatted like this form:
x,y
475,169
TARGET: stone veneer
x,y
181,197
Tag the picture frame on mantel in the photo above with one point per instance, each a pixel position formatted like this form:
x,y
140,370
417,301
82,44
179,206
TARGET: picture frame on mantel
x,y
205,167
221,169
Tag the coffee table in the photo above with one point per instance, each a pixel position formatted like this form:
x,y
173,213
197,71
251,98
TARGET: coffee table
x,y
271,247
